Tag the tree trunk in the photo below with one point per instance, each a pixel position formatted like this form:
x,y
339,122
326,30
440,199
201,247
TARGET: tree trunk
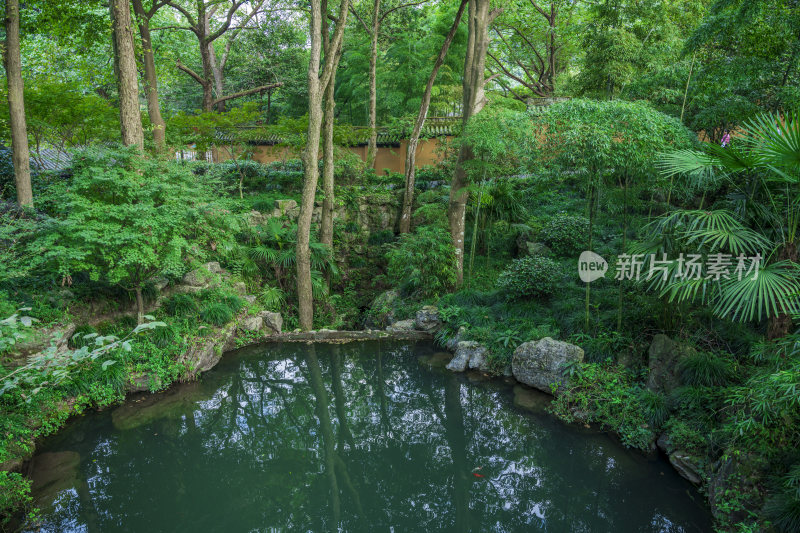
x,y
316,87
474,99
326,223
216,69
127,80
16,106
413,141
208,69
372,147
150,78
139,306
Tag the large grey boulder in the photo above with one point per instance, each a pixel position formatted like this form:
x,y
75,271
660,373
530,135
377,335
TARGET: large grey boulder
x,y
382,310
207,351
687,466
452,342
272,322
251,324
285,206
402,326
664,358
469,354
204,276
428,319
536,249
539,364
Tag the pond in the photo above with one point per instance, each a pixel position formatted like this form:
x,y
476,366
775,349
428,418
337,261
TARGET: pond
x,y
367,436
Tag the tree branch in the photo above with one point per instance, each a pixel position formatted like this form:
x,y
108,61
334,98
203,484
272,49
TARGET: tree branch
x,y
199,79
401,6
185,13
358,17
235,5
494,14
248,92
540,10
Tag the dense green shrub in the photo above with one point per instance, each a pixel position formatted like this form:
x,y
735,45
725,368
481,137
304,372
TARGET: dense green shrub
x,y
606,394
14,495
532,276
126,218
705,369
163,337
217,314
423,262
79,336
656,408
566,234
181,305
377,238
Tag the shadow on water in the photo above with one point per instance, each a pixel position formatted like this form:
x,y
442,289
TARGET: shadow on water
x,y
372,436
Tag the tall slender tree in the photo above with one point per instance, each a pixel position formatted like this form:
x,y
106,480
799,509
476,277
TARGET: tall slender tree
x,y
413,141
373,30
474,99
326,222
127,82
200,24
143,17
16,106
318,80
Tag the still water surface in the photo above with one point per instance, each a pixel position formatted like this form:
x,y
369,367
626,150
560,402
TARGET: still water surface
x,y
372,436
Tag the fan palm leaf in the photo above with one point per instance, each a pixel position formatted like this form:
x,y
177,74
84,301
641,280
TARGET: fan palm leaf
x,y
774,291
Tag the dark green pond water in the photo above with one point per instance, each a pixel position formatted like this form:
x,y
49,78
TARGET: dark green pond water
x,y
371,436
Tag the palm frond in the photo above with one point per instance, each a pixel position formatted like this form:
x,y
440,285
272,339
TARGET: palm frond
x,y
774,291
775,142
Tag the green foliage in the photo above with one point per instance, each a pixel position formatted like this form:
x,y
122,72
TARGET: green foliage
x,y
272,298
783,508
14,494
181,305
61,115
126,218
566,234
705,369
655,407
501,141
762,166
83,336
532,276
606,394
163,337
217,314
423,263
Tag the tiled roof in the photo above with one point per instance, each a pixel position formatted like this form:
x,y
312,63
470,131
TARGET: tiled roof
x,y
50,159
434,127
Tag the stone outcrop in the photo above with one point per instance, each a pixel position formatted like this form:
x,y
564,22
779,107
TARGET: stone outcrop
x,y
539,363
428,319
687,466
272,322
469,355
452,342
41,339
402,326
382,310
664,357
374,212
206,276
534,249
207,351
251,324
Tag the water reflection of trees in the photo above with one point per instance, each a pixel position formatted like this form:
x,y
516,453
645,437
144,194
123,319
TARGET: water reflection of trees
x,y
356,437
